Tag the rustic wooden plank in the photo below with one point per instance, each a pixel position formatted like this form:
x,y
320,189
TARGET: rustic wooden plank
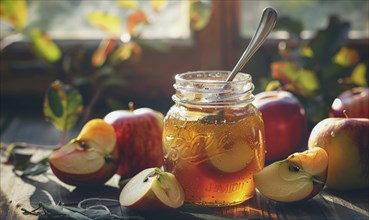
x,y
33,130
45,188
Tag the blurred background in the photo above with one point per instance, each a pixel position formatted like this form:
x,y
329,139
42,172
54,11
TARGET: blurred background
x,y
119,51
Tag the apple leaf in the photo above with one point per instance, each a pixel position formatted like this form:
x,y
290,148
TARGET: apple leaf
x,y
157,5
126,51
358,75
284,71
346,57
14,12
328,41
62,105
134,19
292,26
109,23
273,85
101,53
200,13
132,4
307,82
44,46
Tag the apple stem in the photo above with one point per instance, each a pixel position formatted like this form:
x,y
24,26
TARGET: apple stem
x,y
345,113
131,106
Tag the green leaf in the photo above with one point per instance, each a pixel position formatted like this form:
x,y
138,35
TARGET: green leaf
x,y
327,42
358,75
14,12
200,13
55,103
308,82
62,105
43,46
288,24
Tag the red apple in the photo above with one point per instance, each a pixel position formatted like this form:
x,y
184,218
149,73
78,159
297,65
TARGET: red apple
x,y
346,141
285,123
89,159
354,103
139,139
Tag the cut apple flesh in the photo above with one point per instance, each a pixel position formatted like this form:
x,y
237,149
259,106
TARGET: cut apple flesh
x,y
280,182
86,153
152,189
299,177
72,159
228,155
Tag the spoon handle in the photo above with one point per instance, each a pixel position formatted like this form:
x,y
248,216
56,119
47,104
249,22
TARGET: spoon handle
x,y
266,25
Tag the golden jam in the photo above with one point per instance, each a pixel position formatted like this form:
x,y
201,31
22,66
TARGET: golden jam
x,y
214,138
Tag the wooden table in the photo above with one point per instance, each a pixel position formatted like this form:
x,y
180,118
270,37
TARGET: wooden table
x,y
17,193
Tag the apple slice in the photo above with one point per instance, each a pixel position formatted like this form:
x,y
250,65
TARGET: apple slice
x,y
228,155
152,189
299,177
91,158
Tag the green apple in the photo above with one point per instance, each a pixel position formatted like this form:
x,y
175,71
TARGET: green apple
x,y
299,177
152,189
346,141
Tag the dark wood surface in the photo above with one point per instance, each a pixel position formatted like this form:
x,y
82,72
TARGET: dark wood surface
x,y
17,193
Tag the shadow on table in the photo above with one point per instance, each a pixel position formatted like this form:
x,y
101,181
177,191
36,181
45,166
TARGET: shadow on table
x,y
327,205
51,191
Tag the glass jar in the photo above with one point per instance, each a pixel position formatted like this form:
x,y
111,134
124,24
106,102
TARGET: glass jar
x,y
213,137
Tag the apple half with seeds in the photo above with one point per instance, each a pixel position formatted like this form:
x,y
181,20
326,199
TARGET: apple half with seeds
x,y
152,189
299,177
89,159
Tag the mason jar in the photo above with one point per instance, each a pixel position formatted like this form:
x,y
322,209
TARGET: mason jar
x,y
213,137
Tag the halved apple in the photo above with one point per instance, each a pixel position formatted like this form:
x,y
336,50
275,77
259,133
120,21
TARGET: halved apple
x,y
91,158
152,189
299,177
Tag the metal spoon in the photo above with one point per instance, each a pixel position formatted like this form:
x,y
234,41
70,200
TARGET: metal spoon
x,y
266,25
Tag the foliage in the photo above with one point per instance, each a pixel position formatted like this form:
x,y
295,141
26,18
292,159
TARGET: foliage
x,y
62,106
317,71
101,68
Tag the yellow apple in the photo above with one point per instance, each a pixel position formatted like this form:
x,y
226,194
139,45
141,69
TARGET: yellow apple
x,y
346,141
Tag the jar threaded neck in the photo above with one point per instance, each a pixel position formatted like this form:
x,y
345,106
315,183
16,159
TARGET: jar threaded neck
x,y
208,89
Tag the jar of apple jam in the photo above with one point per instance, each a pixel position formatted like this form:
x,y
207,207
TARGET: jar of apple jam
x,y
213,138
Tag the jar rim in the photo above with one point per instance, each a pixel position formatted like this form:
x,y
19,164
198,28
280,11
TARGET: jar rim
x,y
210,89
202,75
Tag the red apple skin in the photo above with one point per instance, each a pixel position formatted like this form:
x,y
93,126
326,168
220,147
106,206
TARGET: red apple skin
x,y
149,203
139,139
354,103
90,179
285,123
